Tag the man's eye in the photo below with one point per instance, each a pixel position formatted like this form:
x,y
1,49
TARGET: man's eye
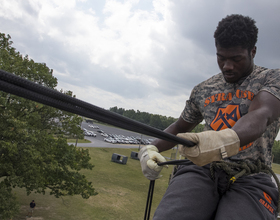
x,y
221,59
237,59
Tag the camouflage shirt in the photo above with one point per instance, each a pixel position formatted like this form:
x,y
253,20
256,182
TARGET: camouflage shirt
x,y
221,104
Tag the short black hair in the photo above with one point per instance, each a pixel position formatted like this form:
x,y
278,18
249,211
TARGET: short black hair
x,y
236,30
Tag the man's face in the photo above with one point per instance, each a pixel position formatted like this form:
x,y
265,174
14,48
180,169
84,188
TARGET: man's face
x,y
235,62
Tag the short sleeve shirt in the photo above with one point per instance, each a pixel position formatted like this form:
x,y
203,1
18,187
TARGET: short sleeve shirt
x,y
221,104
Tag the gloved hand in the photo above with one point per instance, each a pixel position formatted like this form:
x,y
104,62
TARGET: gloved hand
x,y
210,146
149,157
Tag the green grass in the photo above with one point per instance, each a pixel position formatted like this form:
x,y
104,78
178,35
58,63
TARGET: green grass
x,y
276,168
122,192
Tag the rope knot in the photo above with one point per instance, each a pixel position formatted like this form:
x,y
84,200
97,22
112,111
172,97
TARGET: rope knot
x,y
245,168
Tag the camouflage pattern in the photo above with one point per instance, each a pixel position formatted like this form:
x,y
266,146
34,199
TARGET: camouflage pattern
x,y
221,104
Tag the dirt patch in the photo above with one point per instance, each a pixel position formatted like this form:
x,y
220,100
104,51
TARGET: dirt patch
x,y
25,207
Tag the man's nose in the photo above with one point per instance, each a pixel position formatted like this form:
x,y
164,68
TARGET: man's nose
x,y
228,65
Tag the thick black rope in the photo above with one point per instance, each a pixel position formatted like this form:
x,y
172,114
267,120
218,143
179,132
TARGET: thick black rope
x,y
27,89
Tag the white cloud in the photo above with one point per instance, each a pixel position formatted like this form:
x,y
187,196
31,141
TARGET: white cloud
x,y
144,55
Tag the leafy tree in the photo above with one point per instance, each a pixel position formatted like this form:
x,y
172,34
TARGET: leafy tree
x,y
34,153
114,109
198,128
117,110
7,207
143,117
156,122
130,114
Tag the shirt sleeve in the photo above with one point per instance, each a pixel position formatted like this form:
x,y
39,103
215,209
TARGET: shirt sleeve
x,y
272,83
191,112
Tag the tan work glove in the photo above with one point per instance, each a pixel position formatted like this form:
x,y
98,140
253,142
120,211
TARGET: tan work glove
x,y
210,146
149,159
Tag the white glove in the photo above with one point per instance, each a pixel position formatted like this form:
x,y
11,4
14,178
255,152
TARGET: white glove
x,y
149,159
210,146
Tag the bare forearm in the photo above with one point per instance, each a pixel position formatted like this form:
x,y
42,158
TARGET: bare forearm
x,y
250,127
264,109
163,145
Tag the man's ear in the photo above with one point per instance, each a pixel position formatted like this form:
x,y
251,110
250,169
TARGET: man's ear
x,y
253,51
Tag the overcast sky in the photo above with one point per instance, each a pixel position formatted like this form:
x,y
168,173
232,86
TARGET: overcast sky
x,y
144,55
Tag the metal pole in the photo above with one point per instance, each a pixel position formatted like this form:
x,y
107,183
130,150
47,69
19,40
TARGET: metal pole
x,y
140,142
149,200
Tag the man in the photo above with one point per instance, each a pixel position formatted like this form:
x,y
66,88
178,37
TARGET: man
x,y
31,209
241,109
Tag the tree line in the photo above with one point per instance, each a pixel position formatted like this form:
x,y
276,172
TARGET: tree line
x,y
153,120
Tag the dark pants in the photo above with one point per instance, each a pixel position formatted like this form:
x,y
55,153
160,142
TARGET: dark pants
x,y
193,195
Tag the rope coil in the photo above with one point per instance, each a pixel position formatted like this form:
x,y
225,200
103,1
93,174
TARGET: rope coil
x,y
244,168
236,170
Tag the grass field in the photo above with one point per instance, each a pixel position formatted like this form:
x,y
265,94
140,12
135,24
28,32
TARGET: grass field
x,y
122,192
276,168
